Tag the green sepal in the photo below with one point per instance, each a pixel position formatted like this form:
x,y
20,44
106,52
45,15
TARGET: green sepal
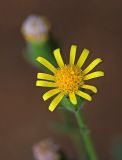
x,y
66,104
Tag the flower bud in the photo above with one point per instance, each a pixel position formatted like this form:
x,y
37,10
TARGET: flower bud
x,y
35,29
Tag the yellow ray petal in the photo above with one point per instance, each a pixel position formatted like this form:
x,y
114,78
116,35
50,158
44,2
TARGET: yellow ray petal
x,y
56,101
93,75
45,83
47,64
92,88
82,58
45,76
92,65
72,54
58,58
84,95
73,98
50,93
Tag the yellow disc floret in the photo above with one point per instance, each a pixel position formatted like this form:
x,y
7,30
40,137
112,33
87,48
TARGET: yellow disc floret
x,y
69,79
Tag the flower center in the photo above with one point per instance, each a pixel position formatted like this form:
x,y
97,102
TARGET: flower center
x,y
69,79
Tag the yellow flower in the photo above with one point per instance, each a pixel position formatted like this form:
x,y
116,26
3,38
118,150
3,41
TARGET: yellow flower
x,y
68,79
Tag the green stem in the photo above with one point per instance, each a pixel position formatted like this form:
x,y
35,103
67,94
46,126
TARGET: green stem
x,y
74,135
86,136
78,145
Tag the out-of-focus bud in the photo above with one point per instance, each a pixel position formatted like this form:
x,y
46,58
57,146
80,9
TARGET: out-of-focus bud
x,y
39,40
46,150
35,29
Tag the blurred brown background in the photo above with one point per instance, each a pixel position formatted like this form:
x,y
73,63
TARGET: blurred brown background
x,y
95,24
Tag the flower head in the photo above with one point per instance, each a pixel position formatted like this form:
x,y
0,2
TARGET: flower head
x,y
46,150
68,79
35,28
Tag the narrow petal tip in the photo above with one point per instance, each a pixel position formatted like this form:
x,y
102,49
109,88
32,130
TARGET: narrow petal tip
x,y
51,108
74,103
38,77
83,57
95,90
37,83
90,99
103,73
99,59
74,45
56,50
44,98
38,59
86,50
